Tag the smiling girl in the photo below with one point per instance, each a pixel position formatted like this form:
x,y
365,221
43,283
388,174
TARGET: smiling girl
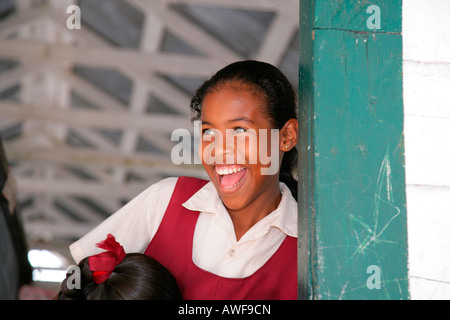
x,y
235,236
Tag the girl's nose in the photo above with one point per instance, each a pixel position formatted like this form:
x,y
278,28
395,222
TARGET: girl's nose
x,y
224,149
219,149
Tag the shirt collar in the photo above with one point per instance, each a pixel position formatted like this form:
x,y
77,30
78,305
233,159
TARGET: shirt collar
x,y
284,217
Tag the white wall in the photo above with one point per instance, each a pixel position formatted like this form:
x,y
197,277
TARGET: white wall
x,y
426,53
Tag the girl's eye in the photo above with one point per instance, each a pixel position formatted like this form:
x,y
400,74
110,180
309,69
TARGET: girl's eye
x,y
239,130
207,132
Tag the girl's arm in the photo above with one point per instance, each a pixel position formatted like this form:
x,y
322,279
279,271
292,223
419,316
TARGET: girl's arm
x,y
133,226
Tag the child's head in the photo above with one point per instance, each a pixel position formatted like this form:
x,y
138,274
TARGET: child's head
x,y
250,92
135,277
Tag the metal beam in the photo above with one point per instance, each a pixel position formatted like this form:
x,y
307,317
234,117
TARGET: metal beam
x,y
160,123
79,188
194,35
165,63
278,38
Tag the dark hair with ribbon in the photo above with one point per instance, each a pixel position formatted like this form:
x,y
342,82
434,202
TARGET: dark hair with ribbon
x,y
103,264
115,275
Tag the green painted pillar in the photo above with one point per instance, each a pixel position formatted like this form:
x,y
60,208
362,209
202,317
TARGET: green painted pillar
x,y
352,203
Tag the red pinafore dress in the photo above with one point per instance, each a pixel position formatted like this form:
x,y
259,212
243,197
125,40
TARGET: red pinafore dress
x,y
172,247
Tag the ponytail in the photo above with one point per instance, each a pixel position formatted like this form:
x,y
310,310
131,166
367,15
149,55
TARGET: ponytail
x,y
137,277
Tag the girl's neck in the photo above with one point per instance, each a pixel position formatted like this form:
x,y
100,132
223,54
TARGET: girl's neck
x,y
245,218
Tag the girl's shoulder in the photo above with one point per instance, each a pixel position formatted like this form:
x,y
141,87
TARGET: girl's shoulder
x,y
162,187
165,187
172,181
167,183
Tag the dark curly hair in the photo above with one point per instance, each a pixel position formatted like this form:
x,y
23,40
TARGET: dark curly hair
x,y
137,277
268,83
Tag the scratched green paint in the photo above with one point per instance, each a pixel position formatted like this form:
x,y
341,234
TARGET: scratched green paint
x,y
353,146
352,15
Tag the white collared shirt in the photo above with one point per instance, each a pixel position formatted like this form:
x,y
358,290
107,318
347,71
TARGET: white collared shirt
x,y
215,248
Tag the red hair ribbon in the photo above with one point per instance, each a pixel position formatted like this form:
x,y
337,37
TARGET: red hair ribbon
x,y
103,264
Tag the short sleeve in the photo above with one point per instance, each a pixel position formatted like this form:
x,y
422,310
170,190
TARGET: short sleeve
x,y
133,226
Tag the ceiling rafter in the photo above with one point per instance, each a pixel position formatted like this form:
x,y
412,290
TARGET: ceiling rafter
x,y
150,41
185,29
108,164
121,120
277,38
166,63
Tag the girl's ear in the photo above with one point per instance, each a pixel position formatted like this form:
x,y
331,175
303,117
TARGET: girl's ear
x,y
289,135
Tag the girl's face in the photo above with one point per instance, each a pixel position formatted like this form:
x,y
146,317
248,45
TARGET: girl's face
x,y
232,120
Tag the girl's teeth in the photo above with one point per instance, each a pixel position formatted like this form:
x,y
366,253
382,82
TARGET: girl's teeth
x,y
228,170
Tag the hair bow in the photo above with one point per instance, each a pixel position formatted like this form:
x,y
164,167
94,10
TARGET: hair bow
x,y
103,264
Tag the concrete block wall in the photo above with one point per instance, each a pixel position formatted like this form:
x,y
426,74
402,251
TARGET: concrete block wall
x,y
426,69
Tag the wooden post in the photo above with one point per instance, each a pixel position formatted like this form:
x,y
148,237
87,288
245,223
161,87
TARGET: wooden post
x,y
352,203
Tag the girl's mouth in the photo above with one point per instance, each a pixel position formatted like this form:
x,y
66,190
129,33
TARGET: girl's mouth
x,y
230,176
